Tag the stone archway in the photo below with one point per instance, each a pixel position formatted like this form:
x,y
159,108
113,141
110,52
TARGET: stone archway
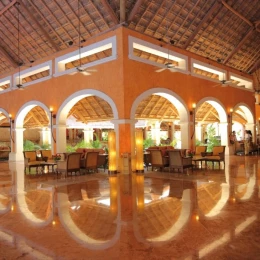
x,y
18,128
177,101
66,106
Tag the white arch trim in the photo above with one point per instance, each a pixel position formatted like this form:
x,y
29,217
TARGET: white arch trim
x,y
248,113
24,110
217,105
3,111
175,99
69,102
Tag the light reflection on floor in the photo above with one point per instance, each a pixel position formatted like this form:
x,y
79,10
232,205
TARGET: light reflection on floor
x,y
207,214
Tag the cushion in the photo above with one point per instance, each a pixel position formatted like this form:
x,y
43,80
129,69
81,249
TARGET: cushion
x,y
200,149
217,150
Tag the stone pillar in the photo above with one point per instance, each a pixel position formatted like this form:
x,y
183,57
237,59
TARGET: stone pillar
x,y
185,135
71,134
61,138
17,155
125,141
172,133
88,135
155,131
199,132
251,126
223,129
45,136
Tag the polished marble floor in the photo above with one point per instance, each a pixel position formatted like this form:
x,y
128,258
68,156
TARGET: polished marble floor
x,y
204,214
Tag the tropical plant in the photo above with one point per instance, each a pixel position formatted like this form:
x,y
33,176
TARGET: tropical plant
x,y
148,143
212,139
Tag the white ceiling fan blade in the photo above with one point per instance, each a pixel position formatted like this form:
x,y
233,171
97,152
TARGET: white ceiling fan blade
x,y
172,70
86,73
160,70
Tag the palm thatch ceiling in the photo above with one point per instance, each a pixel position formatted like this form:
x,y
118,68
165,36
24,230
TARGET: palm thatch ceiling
x,y
224,31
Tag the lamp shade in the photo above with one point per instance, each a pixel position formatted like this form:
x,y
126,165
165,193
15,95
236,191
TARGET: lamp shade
x,y
139,150
112,151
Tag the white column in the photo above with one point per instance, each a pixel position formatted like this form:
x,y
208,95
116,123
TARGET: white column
x,y
45,136
223,130
61,138
18,139
198,131
155,131
88,135
251,126
185,135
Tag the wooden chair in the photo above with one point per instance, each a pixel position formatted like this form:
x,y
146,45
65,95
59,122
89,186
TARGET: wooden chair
x,y
158,160
70,165
217,155
90,163
199,154
31,160
178,161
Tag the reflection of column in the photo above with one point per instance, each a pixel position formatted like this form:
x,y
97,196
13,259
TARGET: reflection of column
x,y
140,192
113,181
139,151
18,154
112,165
88,135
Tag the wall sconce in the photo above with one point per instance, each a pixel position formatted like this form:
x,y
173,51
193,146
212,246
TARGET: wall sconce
x,y
52,116
193,118
112,152
11,127
193,109
139,151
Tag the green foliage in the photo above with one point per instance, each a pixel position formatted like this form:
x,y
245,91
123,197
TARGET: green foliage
x,y
199,143
147,143
212,140
46,146
70,148
30,146
174,142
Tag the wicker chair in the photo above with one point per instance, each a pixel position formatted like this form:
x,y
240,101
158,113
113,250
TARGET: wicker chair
x,y
158,160
90,163
70,165
178,161
217,155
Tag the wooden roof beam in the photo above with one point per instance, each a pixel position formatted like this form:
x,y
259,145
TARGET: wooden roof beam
x,y
40,27
206,17
110,11
8,58
7,7
137,5
239,45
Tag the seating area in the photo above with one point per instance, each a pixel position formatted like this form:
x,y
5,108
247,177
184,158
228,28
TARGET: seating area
x,y
178,160
217,155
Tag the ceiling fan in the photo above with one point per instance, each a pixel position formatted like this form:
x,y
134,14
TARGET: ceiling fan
x,y
80,68
168,65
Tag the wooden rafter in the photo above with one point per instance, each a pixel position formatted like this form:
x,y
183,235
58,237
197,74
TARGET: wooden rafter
x,y
7,7
8,58
135,9
205,18
110,11
40,27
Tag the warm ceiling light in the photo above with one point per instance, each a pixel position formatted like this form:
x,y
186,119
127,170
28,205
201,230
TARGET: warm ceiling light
x,y
194,105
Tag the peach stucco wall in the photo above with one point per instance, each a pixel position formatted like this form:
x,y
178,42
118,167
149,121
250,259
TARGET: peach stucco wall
x,y
123,80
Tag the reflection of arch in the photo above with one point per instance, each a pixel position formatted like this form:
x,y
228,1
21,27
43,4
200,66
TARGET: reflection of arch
x,y
176,227
23,206
77,96
222,201
249,188
76,233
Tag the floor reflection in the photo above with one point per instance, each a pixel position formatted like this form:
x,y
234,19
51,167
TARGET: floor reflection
x,y
208,214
